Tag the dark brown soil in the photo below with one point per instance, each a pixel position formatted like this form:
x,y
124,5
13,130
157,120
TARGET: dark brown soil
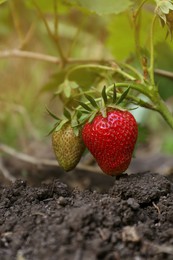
x,y
133,219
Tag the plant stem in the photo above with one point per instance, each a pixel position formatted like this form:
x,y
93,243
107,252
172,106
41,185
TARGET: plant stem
x,y
135,71
101,67
165,113
158,103
16,19
76,36
139,87
139,7
124,74
137,24
164,73
151,67
55,17
18,53
55,37
140,102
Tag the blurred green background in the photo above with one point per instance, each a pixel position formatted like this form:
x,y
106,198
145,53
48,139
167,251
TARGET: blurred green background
x,y
84,31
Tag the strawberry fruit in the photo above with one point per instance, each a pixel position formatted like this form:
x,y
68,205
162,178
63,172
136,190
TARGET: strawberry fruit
x,y
68,147
111,139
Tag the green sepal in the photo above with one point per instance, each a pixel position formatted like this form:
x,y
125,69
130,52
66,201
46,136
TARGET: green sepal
x,y
67,90
92,116
85,106
67,114
61,124
60,89
79,113
114,98
109,95
92,101
53,129
123,96
85,111
52,115
76,131
133,108
104,95
84,117
74,120
81,120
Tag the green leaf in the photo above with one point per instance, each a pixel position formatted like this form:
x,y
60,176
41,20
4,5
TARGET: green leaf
x,y
123,96
104,7
52,115
84,77
67,114
119,44
85,106
65,87
55,82
47,6
92,101
104,95
119,27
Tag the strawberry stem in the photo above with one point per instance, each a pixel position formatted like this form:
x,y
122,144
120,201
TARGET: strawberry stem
x,y
103,111
151,68
165,113
100,68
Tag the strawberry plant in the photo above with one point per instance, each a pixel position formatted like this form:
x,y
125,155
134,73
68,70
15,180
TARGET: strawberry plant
x,y
109,132
95,116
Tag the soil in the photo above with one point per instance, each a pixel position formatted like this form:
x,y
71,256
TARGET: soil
x,y
132,218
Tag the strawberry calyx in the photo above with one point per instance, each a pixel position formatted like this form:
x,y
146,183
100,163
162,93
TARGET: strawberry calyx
x,y
67,118
86,111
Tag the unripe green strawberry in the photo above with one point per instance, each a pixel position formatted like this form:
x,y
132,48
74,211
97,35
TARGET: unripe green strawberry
x,y
111,140
67,146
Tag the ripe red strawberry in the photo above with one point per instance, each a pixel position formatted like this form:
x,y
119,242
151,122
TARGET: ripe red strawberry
x,y
67,146
111,140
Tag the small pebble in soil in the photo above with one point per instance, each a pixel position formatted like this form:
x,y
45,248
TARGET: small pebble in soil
x,y
62,201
